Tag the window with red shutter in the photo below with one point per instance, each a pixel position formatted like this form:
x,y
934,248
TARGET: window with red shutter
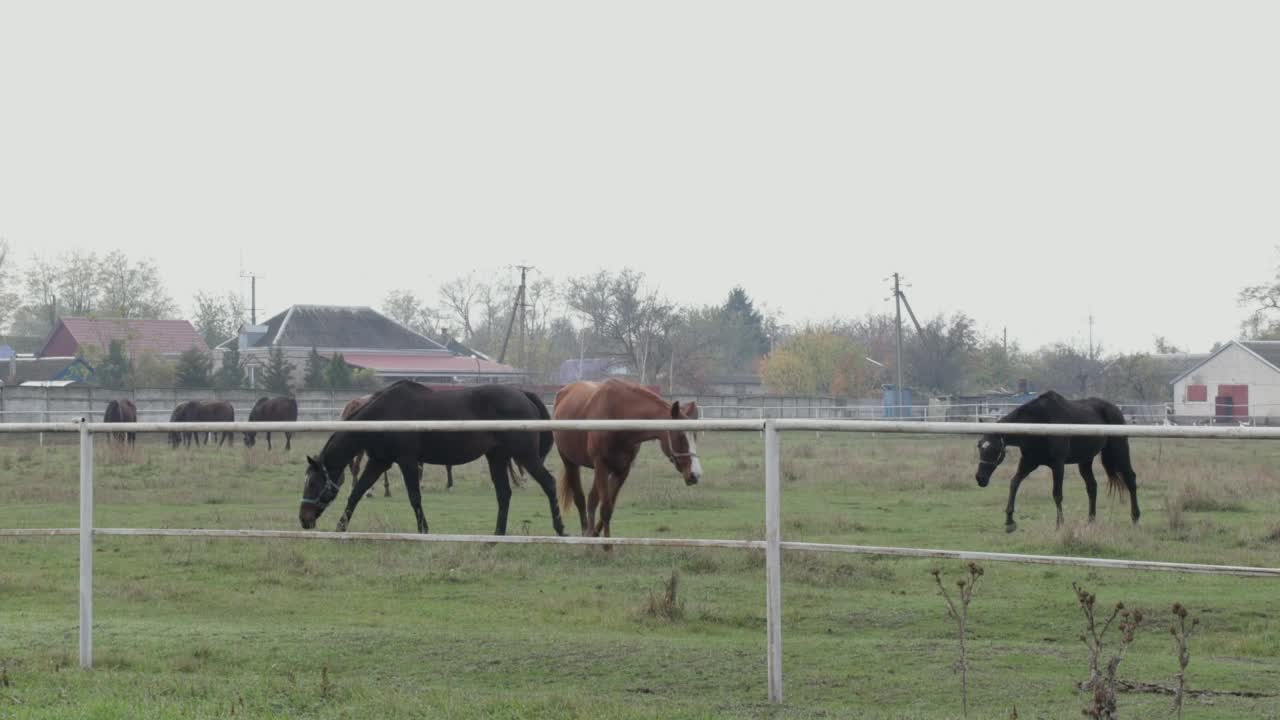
x,y
1197,393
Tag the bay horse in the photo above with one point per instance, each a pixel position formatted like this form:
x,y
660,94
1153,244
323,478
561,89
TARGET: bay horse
x,y
408,400
277,409
121,411
610,453
1057,452
202,411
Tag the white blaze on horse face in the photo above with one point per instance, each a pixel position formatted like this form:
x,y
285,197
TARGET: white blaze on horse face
x,y
695,466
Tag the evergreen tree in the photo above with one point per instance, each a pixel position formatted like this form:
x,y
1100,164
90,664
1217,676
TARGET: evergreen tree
x,y
314,376
278,375
194,369
338,374
116,369
231,375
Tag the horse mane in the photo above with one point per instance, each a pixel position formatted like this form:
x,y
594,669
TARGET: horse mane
x,y
1033,409
636,389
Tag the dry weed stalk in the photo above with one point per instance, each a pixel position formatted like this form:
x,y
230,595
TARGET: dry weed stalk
x,y
961,616
1181,634
1102,683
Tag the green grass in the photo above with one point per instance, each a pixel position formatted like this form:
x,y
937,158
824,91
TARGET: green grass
x,y
204,628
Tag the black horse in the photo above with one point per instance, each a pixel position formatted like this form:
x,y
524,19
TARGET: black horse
x,y
408,400
278,409
1057,452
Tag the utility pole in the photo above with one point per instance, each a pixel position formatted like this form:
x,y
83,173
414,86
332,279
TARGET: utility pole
x,y
897,302
517,307
253,296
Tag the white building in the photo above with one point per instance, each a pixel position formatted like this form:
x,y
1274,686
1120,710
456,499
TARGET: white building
x,y
1240,380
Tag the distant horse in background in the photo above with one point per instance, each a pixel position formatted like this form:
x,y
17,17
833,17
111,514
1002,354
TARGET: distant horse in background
x,y
1056,452
278,409
611,452
121,411
182,412
202,411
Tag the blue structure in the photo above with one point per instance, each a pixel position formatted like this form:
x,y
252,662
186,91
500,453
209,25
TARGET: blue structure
x,y
896,405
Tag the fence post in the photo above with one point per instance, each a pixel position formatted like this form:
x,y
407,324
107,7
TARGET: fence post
x,y
86,545
773,557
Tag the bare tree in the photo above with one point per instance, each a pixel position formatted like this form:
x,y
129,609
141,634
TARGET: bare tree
x,y
8,298
627,317
132,290
218,319
78,282
405,308
459,296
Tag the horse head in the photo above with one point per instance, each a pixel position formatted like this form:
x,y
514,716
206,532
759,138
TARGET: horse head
x,y
990,454
681,447
318,490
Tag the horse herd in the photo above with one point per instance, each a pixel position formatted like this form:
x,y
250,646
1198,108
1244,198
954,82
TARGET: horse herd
x,y
278,409
609,454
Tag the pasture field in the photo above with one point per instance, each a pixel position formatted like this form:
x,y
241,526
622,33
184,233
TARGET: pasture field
x,y
291,629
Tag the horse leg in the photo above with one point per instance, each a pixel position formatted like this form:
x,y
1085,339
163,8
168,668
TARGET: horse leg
x,y
1090,486
614,491
288,441
502,487
1021,474
370,476
599,486
548,483
268,442
448,474
572,479
410,471
1058,473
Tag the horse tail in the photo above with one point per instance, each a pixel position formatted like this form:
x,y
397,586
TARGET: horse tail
x,y
565,488
545,438
515,472
1115,456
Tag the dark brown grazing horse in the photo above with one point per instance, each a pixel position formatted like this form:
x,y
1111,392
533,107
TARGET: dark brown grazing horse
x,y
278,409
121,411
611,452
408,400
182,412
202,411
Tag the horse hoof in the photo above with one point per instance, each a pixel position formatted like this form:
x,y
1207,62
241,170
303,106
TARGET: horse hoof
x,y
1010,527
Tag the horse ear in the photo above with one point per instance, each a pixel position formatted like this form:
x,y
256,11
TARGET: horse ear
x,y
691,409
675,410
311,461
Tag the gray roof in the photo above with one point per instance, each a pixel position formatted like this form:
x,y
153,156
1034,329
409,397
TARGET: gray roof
x,y
335,327
1268,350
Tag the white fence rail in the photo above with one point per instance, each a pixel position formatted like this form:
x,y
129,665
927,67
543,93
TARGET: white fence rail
x,y
772,544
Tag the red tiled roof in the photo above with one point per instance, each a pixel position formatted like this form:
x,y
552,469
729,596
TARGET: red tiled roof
x,y
164,337
427,364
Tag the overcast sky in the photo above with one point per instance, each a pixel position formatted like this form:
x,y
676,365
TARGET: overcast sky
x,y
1026,163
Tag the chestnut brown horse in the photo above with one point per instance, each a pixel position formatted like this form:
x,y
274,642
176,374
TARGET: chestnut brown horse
x,y
611,453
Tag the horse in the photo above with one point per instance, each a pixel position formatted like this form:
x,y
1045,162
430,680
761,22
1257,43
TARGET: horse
x,y
279,409
350,409
121,411
610,453
202,411
182,412
408,400
1056,452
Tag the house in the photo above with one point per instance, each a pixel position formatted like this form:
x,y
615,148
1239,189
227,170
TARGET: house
x,y
366,339
27,369
1239,380
167,338
573,370
739,385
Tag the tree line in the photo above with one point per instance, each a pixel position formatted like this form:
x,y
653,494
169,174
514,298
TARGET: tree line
x,y
619,316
